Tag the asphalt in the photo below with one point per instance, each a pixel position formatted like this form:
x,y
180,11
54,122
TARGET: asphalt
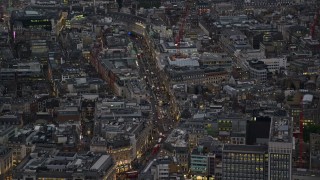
x,y
162,119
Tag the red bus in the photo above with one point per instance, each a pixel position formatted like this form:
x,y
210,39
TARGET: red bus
x,y
155,149
132,174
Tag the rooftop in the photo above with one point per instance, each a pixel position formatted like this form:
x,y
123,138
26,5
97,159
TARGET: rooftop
x,y
4,151
177,138
118,141
245,148
233,32
281,129
207,56
4,129
172,45
47,162
31,13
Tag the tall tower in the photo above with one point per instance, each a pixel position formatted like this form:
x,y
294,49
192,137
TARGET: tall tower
x,y
280,148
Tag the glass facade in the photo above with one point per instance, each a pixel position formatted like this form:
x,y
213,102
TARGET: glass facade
x,y
199,164
240,166
280,166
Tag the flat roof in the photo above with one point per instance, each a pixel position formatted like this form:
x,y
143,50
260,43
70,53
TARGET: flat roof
x,y
307,98
246,148
29,12
281,129
97,165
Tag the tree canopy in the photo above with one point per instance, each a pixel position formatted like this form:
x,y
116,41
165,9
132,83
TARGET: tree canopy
x,y
307,130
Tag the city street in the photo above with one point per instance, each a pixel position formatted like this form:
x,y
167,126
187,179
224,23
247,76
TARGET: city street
x,y
159,100
158,95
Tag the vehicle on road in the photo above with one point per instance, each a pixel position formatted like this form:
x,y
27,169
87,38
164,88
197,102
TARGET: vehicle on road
x,y
156,149
132,174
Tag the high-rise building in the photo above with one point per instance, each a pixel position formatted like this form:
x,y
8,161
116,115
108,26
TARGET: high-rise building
x,y
258,130
280,148
244,162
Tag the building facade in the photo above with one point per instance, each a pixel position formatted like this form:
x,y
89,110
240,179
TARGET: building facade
x,y
244,162
280,148
5,161
53,164
314,151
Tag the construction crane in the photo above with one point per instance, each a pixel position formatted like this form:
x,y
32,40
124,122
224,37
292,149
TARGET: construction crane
x,y
315,20
314,24
180,34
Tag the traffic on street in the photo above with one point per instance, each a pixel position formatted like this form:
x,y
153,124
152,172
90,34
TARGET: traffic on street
x,y
163,121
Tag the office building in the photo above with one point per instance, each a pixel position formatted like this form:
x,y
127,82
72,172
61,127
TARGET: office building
x,y
305,174
314,151
205,159
244,162
280,148
199,161
257,69
258,130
